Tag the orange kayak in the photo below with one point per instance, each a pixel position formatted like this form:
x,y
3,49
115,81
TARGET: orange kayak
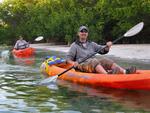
x,y
138,81
23,53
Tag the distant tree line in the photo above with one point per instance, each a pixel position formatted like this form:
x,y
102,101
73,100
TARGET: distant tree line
x,y
59,20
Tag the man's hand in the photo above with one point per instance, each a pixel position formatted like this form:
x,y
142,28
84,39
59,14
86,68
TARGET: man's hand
x,y
107,47
76,64
109,44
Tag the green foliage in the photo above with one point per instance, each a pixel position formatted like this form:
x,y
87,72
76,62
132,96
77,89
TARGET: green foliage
x,y
58,20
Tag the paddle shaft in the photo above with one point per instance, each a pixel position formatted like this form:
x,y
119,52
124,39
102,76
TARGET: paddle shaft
x,y
89,56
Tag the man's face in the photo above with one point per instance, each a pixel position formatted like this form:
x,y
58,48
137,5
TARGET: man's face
x,y
83,34
20,38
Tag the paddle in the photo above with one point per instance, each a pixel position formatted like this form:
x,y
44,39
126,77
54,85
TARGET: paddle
x,y
133,31
39,38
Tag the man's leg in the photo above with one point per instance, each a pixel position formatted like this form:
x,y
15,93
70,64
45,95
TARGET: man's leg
x,y
118,69
111,66
100,69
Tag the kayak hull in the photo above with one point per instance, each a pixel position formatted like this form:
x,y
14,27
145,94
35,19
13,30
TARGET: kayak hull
x,y
23,53
138,81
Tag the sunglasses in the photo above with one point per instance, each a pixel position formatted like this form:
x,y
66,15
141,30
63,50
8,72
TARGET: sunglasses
x,y
83,31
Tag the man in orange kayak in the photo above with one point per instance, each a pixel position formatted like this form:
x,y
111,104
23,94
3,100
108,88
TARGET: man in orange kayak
x,y
82,47
21,44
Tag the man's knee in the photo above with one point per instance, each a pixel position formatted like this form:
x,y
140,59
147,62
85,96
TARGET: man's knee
x,y
100,69
106,63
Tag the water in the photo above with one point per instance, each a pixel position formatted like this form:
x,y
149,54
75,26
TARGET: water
x,y
21,94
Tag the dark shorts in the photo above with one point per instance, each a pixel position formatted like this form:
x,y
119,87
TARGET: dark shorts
x,y
90,65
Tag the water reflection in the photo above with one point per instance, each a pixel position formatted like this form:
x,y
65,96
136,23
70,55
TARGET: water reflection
x,y
25,61
16,86
130,99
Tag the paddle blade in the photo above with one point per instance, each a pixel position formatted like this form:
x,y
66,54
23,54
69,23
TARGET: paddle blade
x,y
49,80
39,38
134,30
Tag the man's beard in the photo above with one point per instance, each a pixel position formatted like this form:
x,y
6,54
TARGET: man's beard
x,y
83,39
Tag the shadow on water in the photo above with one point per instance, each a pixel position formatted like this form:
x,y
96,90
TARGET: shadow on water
x,y
20,93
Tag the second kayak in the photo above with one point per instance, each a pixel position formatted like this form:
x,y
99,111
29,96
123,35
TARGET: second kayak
x,y
23,53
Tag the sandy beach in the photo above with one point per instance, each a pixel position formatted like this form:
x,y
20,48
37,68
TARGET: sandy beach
x,y
129,51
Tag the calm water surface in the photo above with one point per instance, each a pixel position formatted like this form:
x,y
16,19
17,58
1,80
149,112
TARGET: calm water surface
x,y
21,94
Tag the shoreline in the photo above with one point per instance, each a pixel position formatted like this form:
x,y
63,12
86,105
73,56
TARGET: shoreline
x,y
127,51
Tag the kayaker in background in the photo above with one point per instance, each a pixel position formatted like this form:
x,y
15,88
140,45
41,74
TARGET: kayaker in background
x,y
82,47
21,44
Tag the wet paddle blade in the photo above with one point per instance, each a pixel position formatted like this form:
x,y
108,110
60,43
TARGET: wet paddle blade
x,y
134,30
39,38
49,80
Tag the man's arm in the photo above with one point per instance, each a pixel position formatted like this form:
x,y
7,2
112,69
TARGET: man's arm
x,y
16,45
107,48
103,49
71,55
